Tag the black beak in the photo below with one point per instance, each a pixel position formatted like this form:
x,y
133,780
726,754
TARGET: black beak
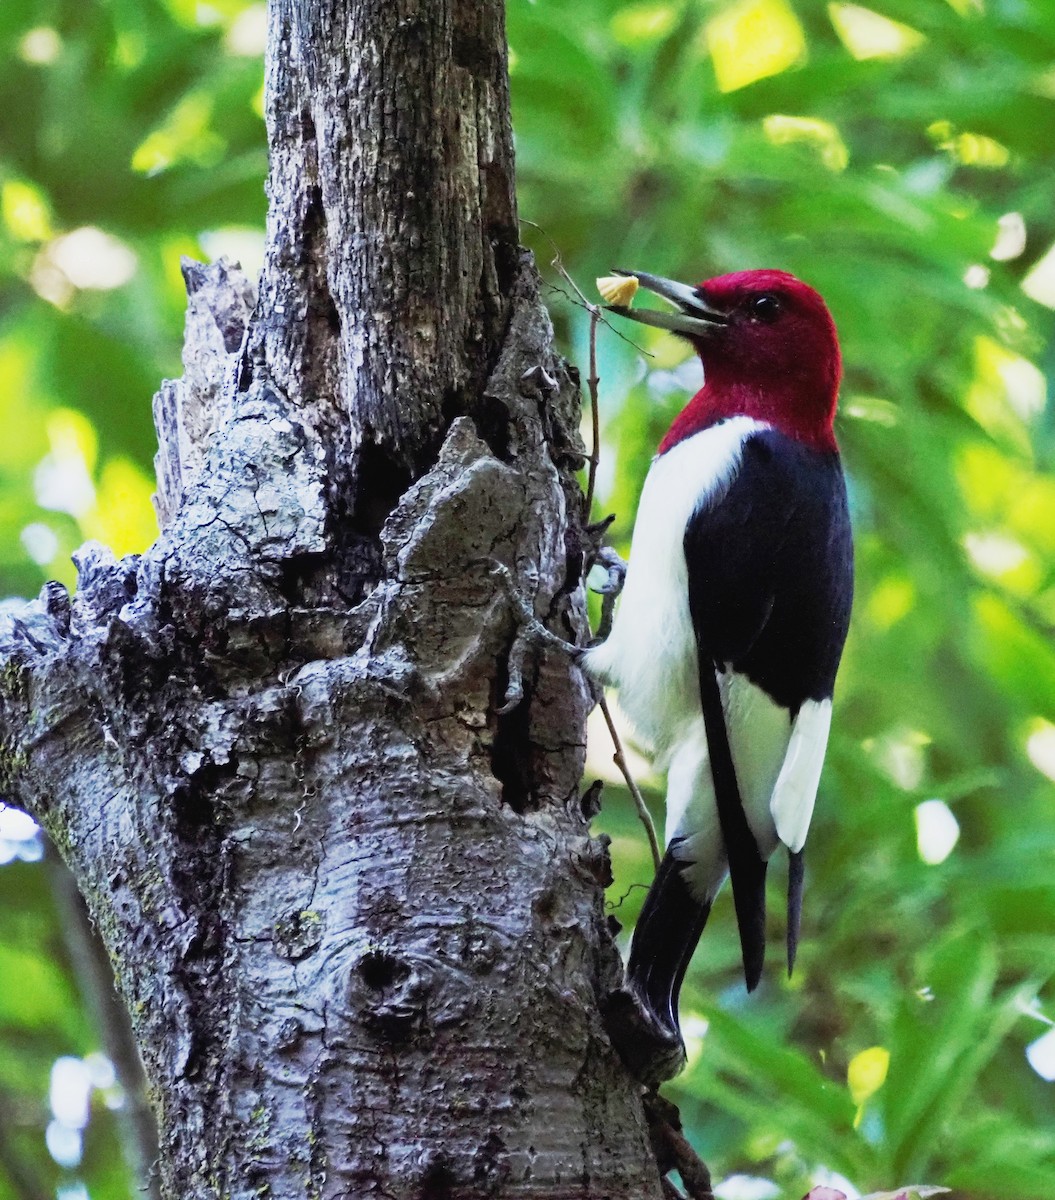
x,y
694,316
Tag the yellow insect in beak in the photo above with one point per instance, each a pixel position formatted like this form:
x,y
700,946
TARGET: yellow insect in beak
x,y
618,289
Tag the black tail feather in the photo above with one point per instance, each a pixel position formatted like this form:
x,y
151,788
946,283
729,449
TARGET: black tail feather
x,y
747,868
796,871
665,936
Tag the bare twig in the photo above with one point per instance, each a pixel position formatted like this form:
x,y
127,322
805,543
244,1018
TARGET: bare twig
x,y
595,419
595,454
596,315
619,758
592,381
616,905
557,263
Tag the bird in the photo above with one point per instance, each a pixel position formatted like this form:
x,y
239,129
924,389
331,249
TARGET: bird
x,y
734,612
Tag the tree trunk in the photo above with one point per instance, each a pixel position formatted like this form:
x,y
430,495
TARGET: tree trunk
x,y
353,908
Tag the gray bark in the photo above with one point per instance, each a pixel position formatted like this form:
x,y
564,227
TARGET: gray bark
x,y
353,909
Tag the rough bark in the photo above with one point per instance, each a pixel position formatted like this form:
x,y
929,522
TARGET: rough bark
x,y
354,910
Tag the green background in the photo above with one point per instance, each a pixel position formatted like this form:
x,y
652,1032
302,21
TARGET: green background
x,y
901,158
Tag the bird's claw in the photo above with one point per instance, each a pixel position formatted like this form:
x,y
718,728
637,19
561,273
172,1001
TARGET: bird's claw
x,y
615,576
615,572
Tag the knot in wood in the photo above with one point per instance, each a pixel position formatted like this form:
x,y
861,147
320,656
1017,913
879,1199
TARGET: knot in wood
x,y
298,934
391,993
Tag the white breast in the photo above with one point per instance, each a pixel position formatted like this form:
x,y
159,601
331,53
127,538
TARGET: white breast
x,y
650,655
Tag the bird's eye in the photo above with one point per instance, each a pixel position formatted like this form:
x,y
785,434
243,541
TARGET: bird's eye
x,y
764,308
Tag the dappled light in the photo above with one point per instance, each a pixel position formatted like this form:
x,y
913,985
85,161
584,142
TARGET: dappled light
x,y
821,135
753,39
937,831
1040,746
1041,1055
868,34
1039,283
85,259
20,837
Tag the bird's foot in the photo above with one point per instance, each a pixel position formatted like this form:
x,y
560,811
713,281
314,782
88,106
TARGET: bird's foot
x,y
614,568
531,634
615,571
651,1051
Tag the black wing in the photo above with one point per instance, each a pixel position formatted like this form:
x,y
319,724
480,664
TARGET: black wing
x,y
770,573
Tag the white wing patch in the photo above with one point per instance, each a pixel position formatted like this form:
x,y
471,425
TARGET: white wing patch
x,y
778,768
796,789
759,732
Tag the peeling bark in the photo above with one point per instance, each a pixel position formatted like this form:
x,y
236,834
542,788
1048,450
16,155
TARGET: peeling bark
x,y
354,911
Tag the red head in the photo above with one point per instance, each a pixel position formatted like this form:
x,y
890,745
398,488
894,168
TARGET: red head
x,y
769,351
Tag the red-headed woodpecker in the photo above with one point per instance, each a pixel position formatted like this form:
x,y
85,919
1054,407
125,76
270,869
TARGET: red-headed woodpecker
x,y
733,615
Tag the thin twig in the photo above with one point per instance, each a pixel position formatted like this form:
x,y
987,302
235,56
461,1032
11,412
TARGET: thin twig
x,y
557,263
616,905
595,417
619,758
597,315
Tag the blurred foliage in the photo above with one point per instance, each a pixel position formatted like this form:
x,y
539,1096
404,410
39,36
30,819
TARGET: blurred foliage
x,y
131,135
896,156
